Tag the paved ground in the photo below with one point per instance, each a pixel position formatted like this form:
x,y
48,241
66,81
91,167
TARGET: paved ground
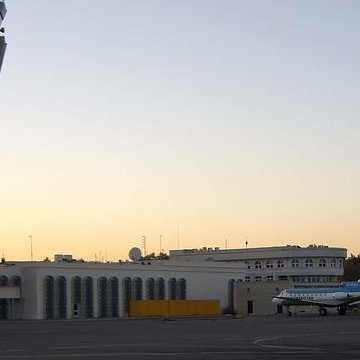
x,y
258,337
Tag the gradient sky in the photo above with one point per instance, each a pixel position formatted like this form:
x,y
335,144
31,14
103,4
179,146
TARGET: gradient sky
x,y
210,120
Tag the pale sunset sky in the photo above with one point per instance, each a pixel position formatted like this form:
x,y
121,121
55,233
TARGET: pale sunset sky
x,y
198,120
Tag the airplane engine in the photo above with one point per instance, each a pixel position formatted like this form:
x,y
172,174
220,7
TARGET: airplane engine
x,y
341,296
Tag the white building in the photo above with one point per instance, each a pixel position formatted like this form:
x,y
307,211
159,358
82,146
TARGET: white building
x,y
73,289
309,266
66,289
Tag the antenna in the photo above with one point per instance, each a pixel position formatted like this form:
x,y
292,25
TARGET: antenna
x,y
160,244
226,242
31,247
246,242
178,238
144,244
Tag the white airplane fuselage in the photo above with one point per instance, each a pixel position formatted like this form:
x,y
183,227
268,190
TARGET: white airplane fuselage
x,y
347,294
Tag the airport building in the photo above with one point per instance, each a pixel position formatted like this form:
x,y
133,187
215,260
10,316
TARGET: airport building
x,y
269,270
315,265
68,289
243,280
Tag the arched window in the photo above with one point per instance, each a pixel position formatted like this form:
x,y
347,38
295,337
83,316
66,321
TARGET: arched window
x,y
114,296
322,263
102,296
4,281
295,263
181,289
309,263
88,297
172,288
150,289
280,263
231,283
4,303
127,294
258,264
76,296
49,297
15,281
269,264
160,289
333,263
138,289
60,289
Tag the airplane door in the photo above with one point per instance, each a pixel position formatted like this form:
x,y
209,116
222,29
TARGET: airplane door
x,y
250,307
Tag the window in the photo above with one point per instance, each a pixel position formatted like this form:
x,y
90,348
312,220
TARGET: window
x,y
127,293
295,263
137,289
49,297
247,278
322,263
172,288
231,284
61,297
258,264
181,289
88,297
160,289
102,296
333,263
150,289
269,278
247,265
258,278
76,296
280,263
114,296
309,263
269,264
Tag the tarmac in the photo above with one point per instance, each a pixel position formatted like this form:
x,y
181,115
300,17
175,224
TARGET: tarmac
x,y
256,337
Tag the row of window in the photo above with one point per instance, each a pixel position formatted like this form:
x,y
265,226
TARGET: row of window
x,y
295,263
260,278
109,291
13,281
295,278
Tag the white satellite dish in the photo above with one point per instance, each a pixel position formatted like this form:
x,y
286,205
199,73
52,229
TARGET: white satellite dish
x,y
135,254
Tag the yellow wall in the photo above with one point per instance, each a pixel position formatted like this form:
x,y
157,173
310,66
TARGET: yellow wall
x,y
164,308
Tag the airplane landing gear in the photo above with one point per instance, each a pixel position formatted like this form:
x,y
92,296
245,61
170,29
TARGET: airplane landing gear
x,y
322,311
341,310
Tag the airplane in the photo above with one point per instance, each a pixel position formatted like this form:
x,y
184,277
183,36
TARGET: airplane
x,y
345,296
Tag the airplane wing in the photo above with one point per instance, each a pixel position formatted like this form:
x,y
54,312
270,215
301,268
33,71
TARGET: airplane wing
x,y
355,303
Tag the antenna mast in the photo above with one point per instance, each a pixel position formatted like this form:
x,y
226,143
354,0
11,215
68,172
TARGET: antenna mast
x,y
144,244
31,247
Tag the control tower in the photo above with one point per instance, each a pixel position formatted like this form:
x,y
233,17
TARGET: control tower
x,y
2,31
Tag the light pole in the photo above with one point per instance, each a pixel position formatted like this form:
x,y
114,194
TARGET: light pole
x,y
31,247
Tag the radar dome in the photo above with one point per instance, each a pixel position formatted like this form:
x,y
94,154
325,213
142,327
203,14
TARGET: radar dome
x,y
135,254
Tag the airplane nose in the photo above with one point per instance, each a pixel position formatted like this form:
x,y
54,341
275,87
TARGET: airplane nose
x,y
276,300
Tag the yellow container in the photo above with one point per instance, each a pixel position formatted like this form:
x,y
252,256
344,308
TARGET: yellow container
x,y
165,308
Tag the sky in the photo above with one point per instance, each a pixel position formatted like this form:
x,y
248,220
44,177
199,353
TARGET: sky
x,y
192,123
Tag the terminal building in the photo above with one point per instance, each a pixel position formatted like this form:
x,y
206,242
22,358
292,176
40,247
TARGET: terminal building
x,y
269,270
70,289
306,266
